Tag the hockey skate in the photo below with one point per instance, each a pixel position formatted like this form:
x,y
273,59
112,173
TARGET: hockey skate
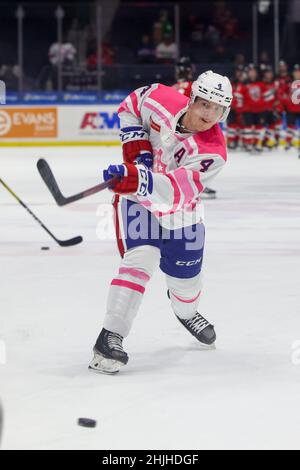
x,y
199,327
249,148
232,145
209,193
258,149
288,146
109,355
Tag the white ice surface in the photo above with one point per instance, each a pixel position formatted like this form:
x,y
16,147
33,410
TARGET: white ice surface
x,y
172,395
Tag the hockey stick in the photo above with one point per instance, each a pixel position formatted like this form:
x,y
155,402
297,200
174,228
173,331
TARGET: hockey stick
x,y
50,181
71,242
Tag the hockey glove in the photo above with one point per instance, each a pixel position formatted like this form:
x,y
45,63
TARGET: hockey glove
x,y
135,179
136,145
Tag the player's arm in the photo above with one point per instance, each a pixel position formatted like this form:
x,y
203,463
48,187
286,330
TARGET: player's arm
x,y
134,136
185,184
169,192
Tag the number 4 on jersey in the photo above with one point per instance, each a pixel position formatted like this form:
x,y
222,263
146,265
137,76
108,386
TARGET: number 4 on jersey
x,y
205,164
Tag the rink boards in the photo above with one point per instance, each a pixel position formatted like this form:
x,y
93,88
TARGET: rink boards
x,y
96,124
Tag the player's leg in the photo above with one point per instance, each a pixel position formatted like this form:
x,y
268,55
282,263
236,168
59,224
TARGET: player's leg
x,y
248,133
270,136
182,262
185,308
291,122
260,130
232,130
280,129
298,133
128,286
126,289
241,130
124,299
295,130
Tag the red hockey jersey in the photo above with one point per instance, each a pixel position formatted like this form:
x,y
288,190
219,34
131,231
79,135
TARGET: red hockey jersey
x,y
253,97
291,97
238,92
269,96
184,87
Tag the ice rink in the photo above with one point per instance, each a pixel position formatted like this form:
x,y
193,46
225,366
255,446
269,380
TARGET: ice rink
x,y
172,395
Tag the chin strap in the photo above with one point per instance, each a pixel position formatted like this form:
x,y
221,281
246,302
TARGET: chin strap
x,y
181,127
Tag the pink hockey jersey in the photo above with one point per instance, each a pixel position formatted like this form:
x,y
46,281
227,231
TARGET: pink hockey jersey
x,y
183,163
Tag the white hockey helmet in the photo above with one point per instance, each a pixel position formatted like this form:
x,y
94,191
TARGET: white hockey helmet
x,y
214,87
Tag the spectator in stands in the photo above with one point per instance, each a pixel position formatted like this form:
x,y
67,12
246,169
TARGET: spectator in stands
x,y
146,52
161,27
197,33
230,30
166,51
74,33
63,53
212,35
78,37
219,13
157,33
221,55
108,55
240,60
195,29
226,23
165,22
9,77
264,58
91,48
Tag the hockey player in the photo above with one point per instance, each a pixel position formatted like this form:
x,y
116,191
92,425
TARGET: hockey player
x,y
235,119
184,77
269,102
182,138
253,104
283,81
291,103
283,78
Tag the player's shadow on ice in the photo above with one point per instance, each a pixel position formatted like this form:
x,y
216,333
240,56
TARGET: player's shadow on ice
x,y
168,359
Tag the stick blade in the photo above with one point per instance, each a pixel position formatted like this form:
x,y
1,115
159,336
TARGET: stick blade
x,y
72,242
49,179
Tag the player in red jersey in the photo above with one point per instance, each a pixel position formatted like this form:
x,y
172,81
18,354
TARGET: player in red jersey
x,y
283,78
283,81
235,119
253,106
269,103
184,77
291,103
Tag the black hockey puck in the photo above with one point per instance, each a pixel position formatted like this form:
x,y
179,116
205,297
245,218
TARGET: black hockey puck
x,y
87,422
44,248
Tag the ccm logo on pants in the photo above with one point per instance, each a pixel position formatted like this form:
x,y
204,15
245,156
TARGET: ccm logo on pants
x,y
188,263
